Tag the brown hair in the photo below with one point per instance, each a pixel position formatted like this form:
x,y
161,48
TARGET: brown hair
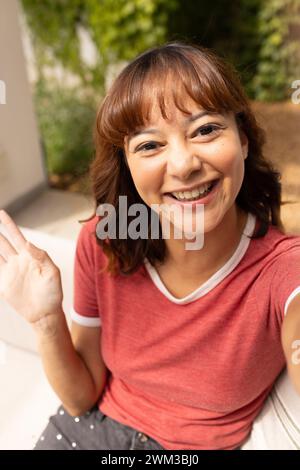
x,y
210,82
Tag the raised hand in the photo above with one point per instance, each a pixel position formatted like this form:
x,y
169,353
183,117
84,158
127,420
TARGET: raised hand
x,y
29,280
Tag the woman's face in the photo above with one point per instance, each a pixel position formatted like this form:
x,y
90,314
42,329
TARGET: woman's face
x,y
184,152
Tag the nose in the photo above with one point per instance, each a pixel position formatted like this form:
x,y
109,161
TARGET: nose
x,y
182,162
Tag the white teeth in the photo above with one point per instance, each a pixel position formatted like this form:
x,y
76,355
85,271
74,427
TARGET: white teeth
x,y
186,195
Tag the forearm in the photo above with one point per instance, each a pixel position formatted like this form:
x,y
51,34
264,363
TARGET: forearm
x,y
64,367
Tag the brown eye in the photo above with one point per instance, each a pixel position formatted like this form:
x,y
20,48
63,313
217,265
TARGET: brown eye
x,y
207,129
148,146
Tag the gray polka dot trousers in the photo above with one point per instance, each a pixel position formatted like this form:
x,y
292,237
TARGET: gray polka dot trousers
x,y
92,431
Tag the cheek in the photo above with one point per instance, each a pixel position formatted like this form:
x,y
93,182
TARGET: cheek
x,y
227,157
147,176
233,168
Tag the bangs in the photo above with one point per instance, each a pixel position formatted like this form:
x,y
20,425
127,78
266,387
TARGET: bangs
x,y
161,78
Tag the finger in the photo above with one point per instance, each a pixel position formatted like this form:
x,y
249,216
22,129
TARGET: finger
x,y
36,252
2,260
16,235
6,249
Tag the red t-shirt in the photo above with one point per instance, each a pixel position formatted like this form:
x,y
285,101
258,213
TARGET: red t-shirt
x,y
191,373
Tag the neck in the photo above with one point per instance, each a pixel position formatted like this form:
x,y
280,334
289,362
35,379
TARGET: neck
x,y
219,246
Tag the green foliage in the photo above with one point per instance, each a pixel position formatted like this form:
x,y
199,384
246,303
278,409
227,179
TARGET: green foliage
x,y
252,34
227,27
66,122
279,53
120,30
255,35
54,34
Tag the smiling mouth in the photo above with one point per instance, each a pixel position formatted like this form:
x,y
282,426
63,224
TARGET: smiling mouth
x,y
196,198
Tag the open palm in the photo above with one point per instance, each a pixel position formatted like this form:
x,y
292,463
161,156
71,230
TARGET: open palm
x,y
29,280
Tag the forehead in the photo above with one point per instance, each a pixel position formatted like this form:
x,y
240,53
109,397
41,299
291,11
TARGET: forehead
x,y
168,96
172,110
168,102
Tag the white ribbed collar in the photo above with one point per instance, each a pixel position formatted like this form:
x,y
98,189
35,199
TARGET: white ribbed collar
x,y
216,278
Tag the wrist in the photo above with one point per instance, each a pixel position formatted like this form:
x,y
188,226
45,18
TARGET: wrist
x,y
50,325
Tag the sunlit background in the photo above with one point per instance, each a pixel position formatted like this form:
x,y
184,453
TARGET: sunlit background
x,y
57,58
74,48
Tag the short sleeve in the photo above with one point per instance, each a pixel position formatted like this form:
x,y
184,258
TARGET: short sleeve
x,y
285,283
85,309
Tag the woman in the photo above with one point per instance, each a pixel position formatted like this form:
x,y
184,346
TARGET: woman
x,y
170,348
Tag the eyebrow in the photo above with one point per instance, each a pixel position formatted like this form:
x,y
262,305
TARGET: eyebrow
x,y
156,131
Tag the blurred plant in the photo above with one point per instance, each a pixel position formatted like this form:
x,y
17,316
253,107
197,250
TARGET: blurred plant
x,y
120,29
279,55
255,35
229,28
66,120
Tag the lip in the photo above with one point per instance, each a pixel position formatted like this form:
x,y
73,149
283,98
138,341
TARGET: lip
x,y
205,200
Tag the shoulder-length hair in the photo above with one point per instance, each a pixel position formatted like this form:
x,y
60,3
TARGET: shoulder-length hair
x,y
216,87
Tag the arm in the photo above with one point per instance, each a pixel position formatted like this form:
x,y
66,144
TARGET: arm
x,y
72,362
290,339
31,283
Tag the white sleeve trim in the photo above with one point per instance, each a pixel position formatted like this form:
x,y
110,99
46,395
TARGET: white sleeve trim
x,y
83,320
290,298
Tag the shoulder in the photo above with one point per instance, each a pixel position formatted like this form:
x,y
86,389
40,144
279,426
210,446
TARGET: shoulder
x,y
88,231
90,225
274,260
90,246
280,272
284,245
277,244
87,244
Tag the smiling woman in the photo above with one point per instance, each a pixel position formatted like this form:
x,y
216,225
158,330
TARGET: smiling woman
x,y
193,341
177,129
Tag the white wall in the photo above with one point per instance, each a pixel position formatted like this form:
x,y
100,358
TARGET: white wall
x,y
21,165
